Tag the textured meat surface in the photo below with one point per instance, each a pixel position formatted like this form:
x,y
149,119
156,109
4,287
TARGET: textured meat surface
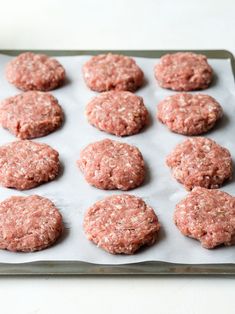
x,y
25,164
121,224
29,223
31,114
109,71
112,165
30,71
183,71
189,114
208,216
120,113
201,162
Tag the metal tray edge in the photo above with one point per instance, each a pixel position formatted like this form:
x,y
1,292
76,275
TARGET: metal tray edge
x,y
83,268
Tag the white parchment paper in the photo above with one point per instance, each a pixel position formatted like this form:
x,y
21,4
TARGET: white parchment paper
x,y
73,195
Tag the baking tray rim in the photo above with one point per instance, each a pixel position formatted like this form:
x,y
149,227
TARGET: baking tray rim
x,y
142,268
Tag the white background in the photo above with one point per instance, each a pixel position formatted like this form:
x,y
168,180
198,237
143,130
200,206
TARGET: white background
x,y
121,24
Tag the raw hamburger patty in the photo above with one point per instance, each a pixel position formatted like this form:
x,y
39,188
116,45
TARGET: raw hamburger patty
x,y
28,224
26,164
31,71
109,71
208,216
121,224
183,71
119,113
201,162
112,165
31,114
189,114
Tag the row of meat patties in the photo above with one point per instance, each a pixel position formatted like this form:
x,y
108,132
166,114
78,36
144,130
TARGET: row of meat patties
x,y
120,224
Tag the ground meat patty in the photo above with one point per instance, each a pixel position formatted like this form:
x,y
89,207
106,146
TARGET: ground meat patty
x,y
31,114
183,71
201,162
118,113
189,114
109,71
30,71
121,224
208,216
112,165
28,224
26,164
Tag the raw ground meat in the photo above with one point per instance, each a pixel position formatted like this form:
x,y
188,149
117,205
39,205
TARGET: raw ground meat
x,y
109,165
121,224
118,113
25,164
201,162
208,216
109,71
189,114
28,224
31,114
183,71
30,71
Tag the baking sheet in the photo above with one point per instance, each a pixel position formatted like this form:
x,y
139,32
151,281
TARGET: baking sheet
x,y
73,195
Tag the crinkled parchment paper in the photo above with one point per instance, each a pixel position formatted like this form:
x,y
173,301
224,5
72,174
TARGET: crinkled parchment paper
x,y
73,195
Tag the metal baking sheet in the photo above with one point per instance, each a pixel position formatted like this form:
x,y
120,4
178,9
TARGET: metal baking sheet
x,y
142,268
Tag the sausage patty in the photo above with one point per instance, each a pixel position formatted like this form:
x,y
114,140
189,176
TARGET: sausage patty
x,y
121,224
112,72
183,71
26,164
189,114
29,223
208,216
31,114
200,161
109,165
118,113
30,71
